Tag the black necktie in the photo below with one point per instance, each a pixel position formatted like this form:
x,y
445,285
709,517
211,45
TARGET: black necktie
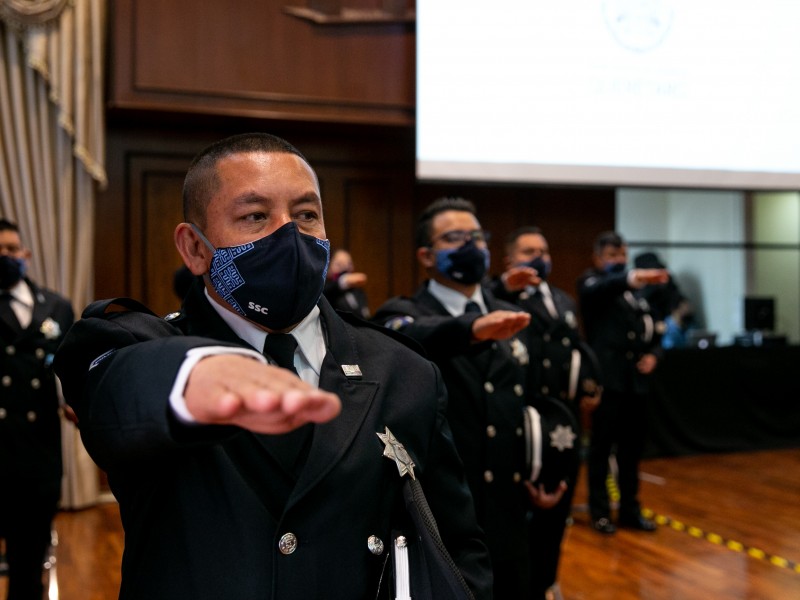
x,y
291,449
7,313
280,347
472,307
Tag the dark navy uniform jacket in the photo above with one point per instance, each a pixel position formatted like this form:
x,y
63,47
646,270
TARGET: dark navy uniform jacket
x,y
486,390
30,429
210,513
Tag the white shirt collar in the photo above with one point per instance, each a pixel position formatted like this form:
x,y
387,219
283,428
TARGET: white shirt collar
x,y
308,333
453,301
23,302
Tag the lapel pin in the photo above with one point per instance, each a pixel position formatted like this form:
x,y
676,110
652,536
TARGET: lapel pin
x,y
351,370
395,451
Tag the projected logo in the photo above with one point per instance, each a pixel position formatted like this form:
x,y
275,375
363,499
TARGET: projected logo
x,y
638,25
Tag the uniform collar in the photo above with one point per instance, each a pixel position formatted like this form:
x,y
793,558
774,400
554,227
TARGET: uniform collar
x,y
453,301
308,333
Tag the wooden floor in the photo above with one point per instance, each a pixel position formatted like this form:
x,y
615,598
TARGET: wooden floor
x,y
730,529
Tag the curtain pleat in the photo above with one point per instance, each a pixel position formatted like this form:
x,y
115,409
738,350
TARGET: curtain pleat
x,y
52,160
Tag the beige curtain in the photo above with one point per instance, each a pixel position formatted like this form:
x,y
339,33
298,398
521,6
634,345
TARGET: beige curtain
x,y
52,158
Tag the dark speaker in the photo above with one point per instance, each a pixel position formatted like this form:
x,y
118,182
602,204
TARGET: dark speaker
x,y
759,314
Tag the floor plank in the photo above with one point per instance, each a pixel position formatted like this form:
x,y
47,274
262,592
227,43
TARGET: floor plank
x,y
712,509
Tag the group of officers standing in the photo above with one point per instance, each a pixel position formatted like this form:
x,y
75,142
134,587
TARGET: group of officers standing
x,y
234,424
510,344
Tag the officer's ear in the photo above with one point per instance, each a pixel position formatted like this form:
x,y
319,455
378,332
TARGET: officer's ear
x,y
196,255
426,257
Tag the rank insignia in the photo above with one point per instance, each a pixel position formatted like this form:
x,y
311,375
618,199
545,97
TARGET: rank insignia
x,y
50,329
562,437
519,351
395,451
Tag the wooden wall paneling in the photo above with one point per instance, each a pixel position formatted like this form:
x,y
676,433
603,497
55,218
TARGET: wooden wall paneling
x,y
249,59
155,209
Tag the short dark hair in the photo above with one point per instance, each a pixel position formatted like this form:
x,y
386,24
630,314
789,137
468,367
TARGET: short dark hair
x,y
6,225
423,231
511,238
201,179
608,238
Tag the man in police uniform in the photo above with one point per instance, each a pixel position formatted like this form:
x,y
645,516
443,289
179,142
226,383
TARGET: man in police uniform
x,y
33,321
562,367
239,479
472,337
622,332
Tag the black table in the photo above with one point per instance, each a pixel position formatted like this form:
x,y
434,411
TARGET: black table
x,y
725,399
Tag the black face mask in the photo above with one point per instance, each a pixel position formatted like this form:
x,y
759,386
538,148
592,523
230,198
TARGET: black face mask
x,y
466,264
542,266
11,271
614,267
274,281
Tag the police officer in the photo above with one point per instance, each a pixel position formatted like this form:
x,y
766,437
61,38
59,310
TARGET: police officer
x,y
475,340
621,330
562,367
32,323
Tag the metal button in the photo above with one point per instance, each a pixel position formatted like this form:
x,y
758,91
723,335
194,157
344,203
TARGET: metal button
x,y
491,431
545,390
565,342
631,335
488,387
520,432
546,363
287,543
519,390
488,476
35,383
31,416
517,477
3,413
375,545
546,337
40,353
10,350
6,380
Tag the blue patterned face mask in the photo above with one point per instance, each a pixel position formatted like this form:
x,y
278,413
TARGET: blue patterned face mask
x,y
274,281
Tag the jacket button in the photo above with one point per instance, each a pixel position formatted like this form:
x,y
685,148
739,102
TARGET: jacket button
x,y
488,387
565,342
40,353
517,477
3,413
545,390
488,476
546,337
287,543
35,383
520,432
6,380
629,355
631,335
375,545
491,431
10,350
518,390
546,363
31,416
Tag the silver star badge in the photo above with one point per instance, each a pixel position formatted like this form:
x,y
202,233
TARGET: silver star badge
x,y
394,451
562,437
50,328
